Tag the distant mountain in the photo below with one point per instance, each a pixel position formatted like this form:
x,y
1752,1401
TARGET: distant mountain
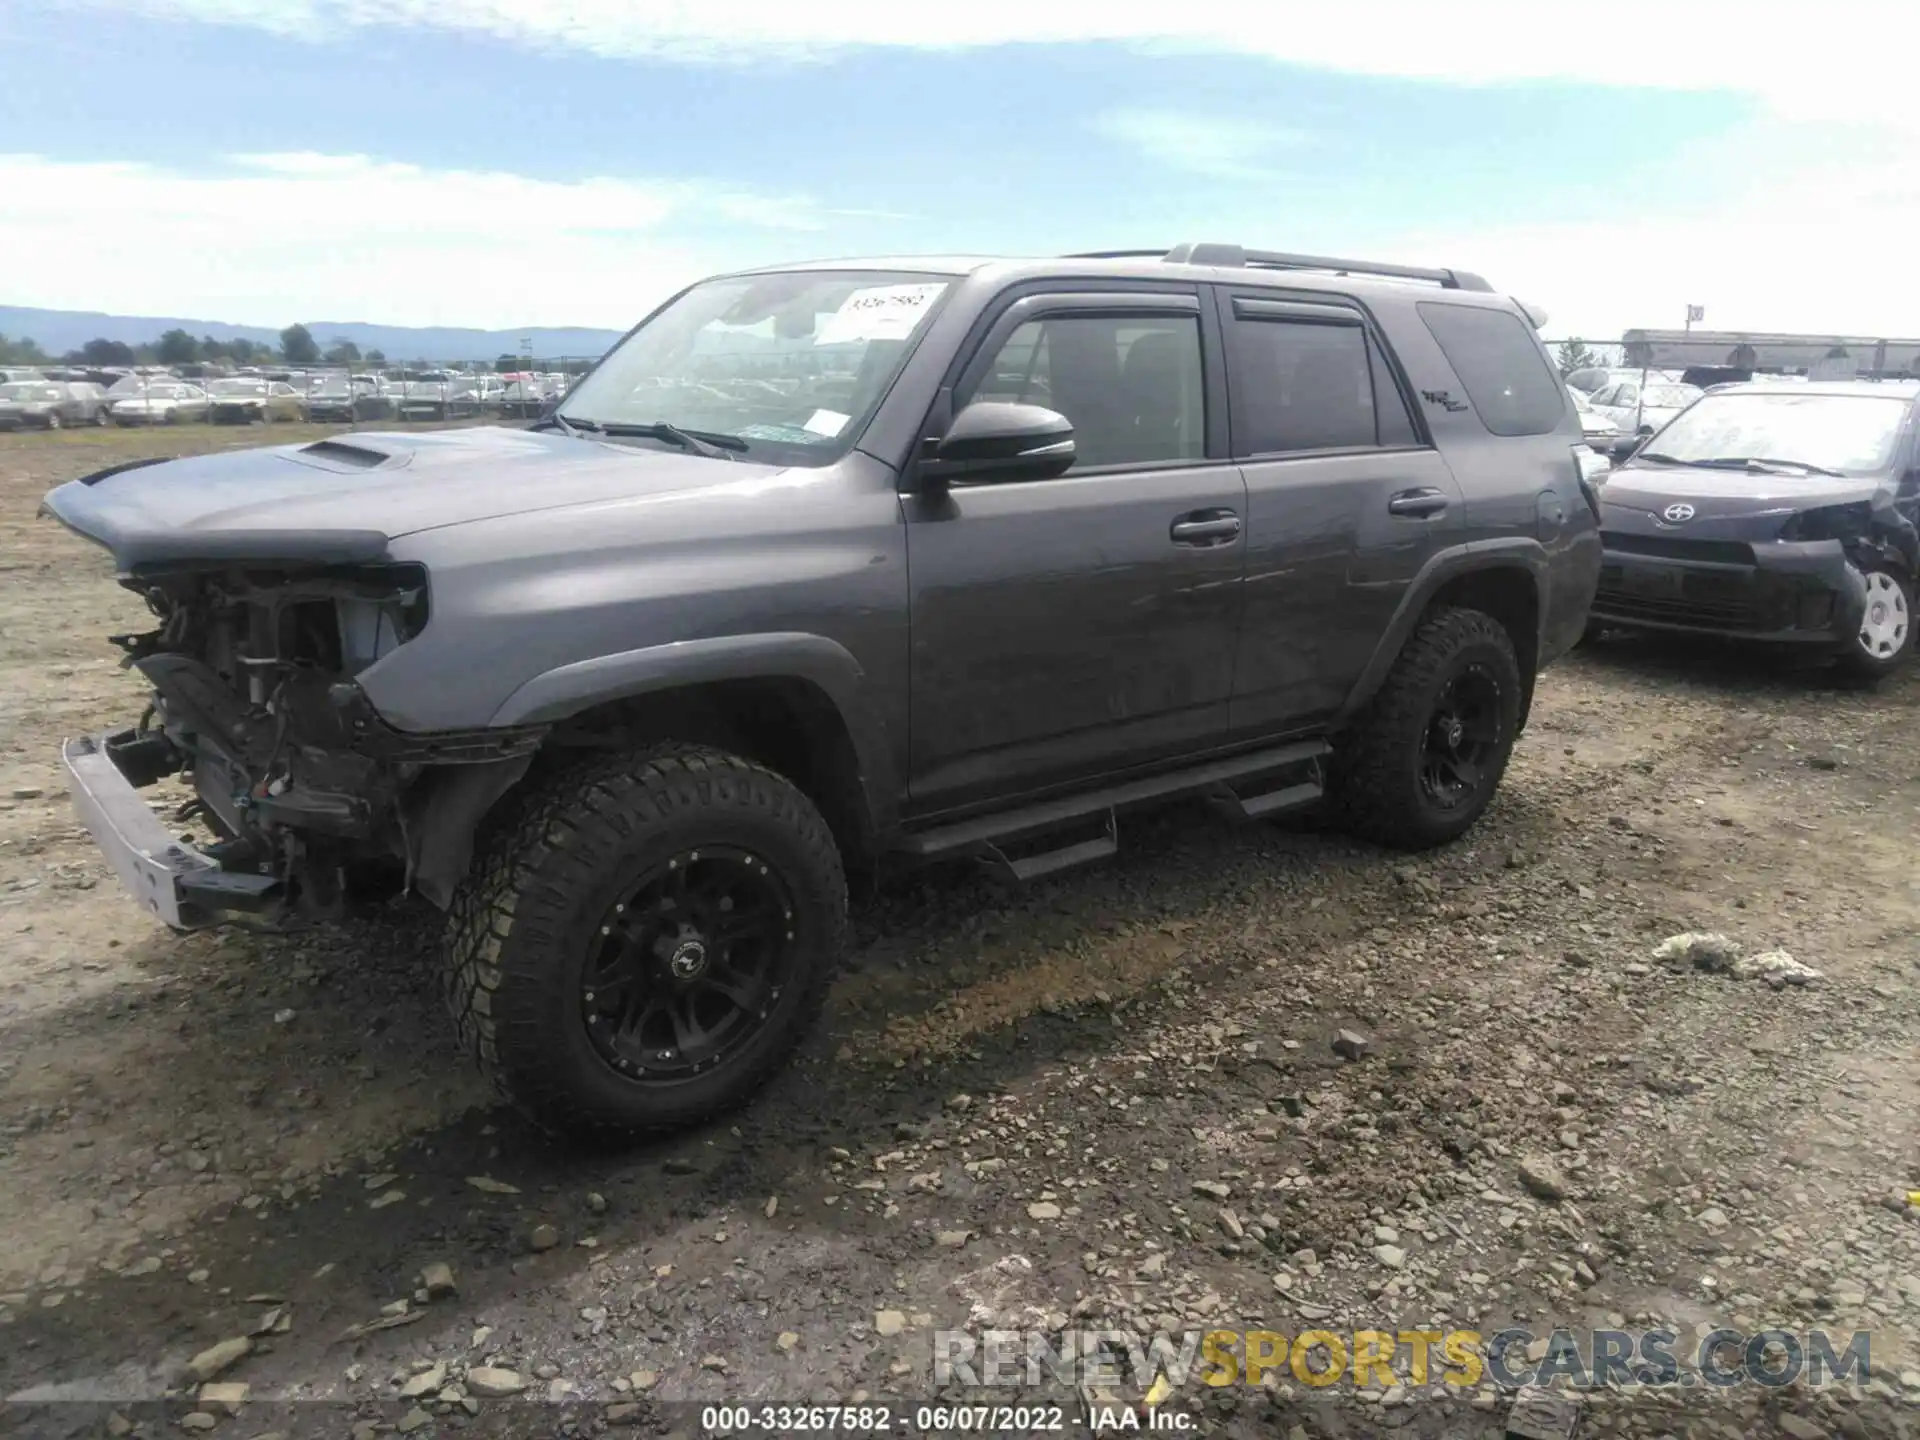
x,y
58,331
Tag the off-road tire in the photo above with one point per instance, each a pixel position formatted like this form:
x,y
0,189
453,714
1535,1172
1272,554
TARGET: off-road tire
x,y
1376,775
520,926
1857,664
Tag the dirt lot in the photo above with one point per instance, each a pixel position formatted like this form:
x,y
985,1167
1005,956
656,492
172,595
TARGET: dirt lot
x,y
1112,1100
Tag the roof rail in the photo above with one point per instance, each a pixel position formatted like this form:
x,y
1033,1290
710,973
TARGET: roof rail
x,y
1236,256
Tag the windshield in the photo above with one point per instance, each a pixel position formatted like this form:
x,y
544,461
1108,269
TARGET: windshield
x,y
238,387
1854,434
1670,397
23,390
789,363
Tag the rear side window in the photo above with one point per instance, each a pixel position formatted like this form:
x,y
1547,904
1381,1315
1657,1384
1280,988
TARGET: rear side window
x,y
1495,356
1300,385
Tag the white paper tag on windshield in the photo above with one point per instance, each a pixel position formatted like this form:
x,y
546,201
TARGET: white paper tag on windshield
x,y
826,422
880,312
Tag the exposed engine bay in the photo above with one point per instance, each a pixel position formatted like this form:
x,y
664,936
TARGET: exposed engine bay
x,y
255,705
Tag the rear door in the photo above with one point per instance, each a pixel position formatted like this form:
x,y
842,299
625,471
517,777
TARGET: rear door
x,y
1346,499
1066,628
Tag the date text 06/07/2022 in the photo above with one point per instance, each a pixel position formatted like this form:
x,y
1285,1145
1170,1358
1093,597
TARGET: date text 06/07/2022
x,y
875,1420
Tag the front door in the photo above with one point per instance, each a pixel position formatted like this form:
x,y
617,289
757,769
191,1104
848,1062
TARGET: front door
x,y
1070,627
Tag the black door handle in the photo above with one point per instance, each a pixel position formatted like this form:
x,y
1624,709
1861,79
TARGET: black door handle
x,y
1206,527
1422,504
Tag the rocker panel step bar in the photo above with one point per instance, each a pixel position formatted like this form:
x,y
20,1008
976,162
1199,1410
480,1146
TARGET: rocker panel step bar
x,y
970,836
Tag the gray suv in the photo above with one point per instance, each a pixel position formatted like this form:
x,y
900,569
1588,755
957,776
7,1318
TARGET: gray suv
x,y
826,568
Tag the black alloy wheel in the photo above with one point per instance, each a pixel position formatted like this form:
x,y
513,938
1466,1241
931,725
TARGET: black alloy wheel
x,y
1462,737
1425,758
643,939
685,969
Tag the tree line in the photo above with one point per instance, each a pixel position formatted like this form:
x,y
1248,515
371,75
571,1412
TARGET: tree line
x,y
177,347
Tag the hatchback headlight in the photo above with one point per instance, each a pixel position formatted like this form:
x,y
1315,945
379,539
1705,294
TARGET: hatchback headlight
x,y
1829,522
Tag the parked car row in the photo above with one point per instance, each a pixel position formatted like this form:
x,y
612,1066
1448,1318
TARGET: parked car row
x,y
51,404
30,399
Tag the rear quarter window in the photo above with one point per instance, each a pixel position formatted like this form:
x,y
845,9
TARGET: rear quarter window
x,y
1505,375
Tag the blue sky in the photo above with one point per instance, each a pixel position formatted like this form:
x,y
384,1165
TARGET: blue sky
x,y
504,162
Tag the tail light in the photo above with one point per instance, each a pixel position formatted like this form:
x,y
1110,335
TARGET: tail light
x,y
1592,470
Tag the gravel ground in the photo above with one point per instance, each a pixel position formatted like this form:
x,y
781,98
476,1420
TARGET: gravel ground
x,y
1112,1100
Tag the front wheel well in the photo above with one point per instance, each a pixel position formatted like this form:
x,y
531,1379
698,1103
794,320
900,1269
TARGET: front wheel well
x,y
787,724
1509,595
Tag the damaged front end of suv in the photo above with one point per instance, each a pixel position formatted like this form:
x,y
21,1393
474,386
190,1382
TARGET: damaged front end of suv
x,y
313,798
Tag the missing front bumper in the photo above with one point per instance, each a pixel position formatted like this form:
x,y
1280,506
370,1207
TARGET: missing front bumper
x,y
173,881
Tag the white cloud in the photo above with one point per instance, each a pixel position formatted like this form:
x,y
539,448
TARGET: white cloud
x,y
1210,145
1805,250
268,239
1850,58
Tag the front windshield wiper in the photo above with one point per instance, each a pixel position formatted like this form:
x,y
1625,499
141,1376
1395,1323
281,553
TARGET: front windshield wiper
x,y
1762,463
1660,457
557,421
714,444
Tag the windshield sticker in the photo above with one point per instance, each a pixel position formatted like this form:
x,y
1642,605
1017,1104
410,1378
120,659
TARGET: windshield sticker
x,y
881,312
785,434
826,422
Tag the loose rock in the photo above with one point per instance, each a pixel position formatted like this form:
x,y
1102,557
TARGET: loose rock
x,y
1542,1178
227,1395
216,1359
492,1383
436,1278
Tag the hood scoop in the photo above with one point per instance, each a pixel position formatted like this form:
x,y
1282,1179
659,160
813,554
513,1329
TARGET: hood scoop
x,y
346,456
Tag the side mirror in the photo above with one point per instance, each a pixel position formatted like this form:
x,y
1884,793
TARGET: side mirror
x,y
993,441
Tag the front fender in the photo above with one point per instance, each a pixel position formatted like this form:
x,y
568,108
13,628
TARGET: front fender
x,y
826,664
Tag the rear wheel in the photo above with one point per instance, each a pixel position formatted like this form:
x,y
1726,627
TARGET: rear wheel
x,y
1885,640
1425,760
647,944
53,420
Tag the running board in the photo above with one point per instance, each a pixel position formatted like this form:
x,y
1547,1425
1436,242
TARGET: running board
x,y
1032,866
1221,781
1265,804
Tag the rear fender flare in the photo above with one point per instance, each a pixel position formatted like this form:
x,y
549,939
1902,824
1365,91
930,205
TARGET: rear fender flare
x,y
1513,552
569,689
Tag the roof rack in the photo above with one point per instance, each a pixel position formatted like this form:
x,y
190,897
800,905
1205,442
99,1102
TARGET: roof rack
x,y
1235,256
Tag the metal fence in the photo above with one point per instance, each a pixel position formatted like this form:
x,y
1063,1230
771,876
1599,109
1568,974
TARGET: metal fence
x,y
1601,352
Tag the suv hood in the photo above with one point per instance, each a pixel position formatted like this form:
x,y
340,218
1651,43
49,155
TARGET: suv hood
x,y
343,500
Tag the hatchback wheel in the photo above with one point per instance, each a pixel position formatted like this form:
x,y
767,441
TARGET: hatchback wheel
x,y
1885,640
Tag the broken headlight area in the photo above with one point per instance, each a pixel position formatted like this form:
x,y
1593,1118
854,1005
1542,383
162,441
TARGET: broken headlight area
x,y
256,707
1845,523
257,626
